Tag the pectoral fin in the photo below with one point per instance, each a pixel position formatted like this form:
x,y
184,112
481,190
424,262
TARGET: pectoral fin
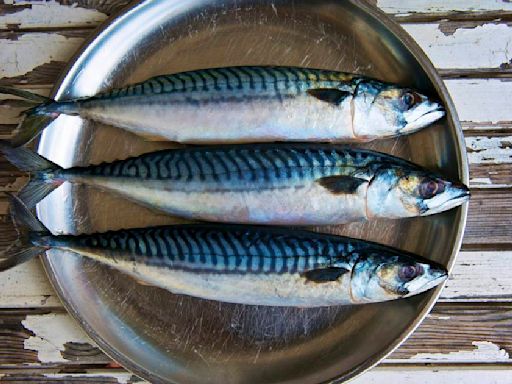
x,y
341,184
329,95
325,275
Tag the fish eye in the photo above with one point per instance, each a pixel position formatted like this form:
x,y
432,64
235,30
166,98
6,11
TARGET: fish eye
x,y
410,98
429,188
409,272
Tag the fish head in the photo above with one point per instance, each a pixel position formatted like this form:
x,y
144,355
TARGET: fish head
x,y
397,192
386,110
387,275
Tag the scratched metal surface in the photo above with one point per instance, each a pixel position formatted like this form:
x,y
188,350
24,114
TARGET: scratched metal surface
x,y
169,338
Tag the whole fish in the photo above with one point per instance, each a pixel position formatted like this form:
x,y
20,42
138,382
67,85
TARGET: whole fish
x,y
247,104
247,265
300,184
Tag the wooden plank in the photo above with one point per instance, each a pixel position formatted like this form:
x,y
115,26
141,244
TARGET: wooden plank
x,y
480,276
482,100
85,13
481,374
464,45
57,14
27,286
38,57
438,375
88,13
441,6
489,219
459,333
451,334
101,377
490,159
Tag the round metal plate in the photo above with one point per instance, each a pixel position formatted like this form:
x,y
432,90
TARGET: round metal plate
x,y
178,339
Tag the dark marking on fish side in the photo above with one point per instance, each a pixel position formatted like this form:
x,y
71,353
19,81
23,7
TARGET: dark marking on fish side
x,y
340,184
329,95
324,275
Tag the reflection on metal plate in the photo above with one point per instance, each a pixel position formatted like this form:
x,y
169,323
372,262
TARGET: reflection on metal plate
x,y
169,338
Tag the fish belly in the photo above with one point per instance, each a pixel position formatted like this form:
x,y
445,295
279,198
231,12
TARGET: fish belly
x,y
310,204
227,120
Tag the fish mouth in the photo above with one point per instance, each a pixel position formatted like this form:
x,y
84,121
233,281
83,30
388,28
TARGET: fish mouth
x,y
432,115
436,275
454,196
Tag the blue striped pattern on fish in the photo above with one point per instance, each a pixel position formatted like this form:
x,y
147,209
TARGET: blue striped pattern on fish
x,y
268,81
244,165
229,249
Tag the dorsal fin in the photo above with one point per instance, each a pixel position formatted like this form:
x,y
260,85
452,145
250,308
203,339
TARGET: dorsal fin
x,y
329,95
325,275
341,184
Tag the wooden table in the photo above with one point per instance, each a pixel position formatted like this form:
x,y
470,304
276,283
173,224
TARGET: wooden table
x,y
468,335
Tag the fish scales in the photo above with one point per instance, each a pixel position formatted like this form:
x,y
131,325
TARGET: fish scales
x,y
237,164
275,79
208,250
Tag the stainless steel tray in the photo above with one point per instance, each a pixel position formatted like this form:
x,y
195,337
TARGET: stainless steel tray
x,y
168,338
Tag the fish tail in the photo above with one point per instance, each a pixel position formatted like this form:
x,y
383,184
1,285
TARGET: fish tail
x,y
28,228
36,118
29,96
42,180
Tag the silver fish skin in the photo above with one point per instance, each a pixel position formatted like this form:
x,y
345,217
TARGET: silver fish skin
x,y
246,265
251,104
290,184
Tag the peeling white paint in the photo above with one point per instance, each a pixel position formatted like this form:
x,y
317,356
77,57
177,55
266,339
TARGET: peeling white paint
x,y
481,181
485,46
484,351
435,375
479,276
401,6
51,14
26,285
485,100
32,50
489,150
52,331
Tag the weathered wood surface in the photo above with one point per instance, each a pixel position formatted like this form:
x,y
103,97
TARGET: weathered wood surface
x,y
453,333
382,374
466,337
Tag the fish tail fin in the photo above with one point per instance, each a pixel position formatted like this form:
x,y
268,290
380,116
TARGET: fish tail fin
x,y
28,228
36,118
41,171
29,96
31,126
35,191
